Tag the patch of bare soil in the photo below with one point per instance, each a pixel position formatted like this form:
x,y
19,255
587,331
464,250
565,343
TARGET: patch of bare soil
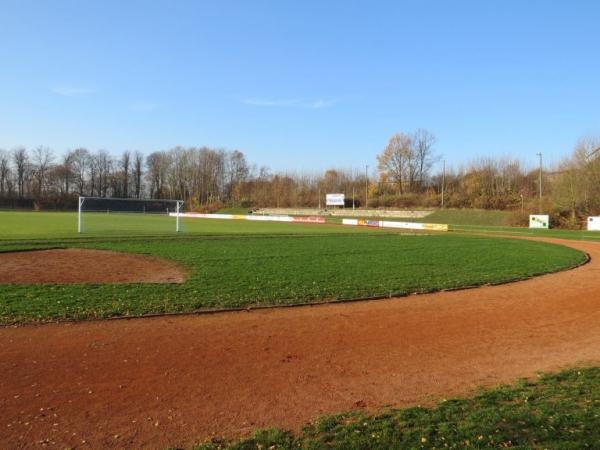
x,y
173,381
73,265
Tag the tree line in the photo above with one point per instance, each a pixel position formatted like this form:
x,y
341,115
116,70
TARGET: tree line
x,y
207,179
200,176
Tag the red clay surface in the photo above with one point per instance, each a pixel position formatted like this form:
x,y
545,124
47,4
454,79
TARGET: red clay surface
x,y
73,265
173,381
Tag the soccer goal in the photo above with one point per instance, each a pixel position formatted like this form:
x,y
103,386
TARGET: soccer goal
x,y
128,215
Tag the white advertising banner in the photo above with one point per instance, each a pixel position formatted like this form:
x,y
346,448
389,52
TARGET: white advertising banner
x,y
295,219
539,221
271,218
593,223
404,225
393,224
334,199
203,216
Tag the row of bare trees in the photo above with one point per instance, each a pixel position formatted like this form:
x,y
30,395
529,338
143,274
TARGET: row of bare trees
x,y
202,177
197,175
208,178
302,189
41,175
575,185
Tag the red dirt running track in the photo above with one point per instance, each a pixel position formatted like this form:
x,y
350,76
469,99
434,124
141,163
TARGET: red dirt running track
x,y
173,381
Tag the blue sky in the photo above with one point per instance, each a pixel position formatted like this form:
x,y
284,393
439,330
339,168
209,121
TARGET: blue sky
x,y
301,85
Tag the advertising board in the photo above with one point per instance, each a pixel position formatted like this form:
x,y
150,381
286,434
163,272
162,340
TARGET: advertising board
x,y
539,221
393,224
334,199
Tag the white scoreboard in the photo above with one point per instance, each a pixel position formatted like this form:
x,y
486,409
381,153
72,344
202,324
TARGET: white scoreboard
x,y
334,199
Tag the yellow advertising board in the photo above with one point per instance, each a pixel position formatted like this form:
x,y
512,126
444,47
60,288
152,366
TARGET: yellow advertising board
x,y
435,227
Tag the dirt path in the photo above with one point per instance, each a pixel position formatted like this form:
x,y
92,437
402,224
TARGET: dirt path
x,y
78,265
171,381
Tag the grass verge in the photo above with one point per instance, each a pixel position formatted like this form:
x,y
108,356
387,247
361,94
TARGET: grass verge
x,y
558,411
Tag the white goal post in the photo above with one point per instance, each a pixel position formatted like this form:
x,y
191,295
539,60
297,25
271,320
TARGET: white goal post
x,y
128,205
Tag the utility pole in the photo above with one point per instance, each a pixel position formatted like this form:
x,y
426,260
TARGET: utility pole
x,y
443,181
319,198
540,155
366,186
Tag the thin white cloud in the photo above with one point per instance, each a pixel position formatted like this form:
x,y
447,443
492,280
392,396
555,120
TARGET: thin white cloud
x,y
143,106
290,103
322,103
276,103
72,91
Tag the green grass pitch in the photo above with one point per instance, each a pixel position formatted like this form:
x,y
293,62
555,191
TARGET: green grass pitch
x,y
240,264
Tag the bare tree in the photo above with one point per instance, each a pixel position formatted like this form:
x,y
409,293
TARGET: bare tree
x,y
157,165
42,161
125,167
103,164
64,173
21,161
237,172
423,142
138,162
80,159
4,172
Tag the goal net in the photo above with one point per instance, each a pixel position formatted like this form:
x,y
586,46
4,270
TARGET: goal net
x,y
127,215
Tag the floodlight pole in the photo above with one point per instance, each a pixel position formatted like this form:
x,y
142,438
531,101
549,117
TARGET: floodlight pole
x,y
540,155
366,187
443,181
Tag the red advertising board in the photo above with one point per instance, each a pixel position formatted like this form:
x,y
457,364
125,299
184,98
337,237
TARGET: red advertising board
x,y
309,219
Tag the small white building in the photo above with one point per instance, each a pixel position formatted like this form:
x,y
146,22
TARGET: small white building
x,y
593,223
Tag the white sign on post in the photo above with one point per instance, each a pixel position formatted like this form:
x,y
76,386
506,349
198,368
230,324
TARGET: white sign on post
x,y
593,223
334,200
539,221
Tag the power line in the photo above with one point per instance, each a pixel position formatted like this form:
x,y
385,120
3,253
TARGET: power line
x,y
592,153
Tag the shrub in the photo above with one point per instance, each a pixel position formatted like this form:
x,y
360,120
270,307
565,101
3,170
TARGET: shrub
x,y
518,219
